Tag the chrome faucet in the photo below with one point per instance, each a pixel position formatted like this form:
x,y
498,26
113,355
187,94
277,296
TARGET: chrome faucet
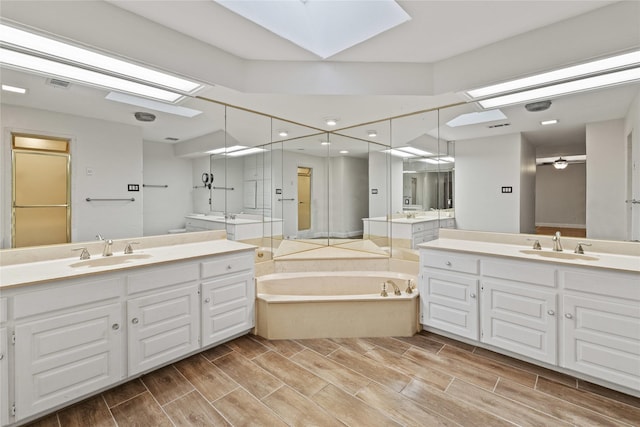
x,y
107,248
396,289
557,246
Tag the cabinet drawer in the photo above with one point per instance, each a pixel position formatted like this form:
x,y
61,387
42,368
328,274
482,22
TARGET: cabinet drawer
x,y
161,277
226,265
527,272
64,297
447,223
451,261
612,284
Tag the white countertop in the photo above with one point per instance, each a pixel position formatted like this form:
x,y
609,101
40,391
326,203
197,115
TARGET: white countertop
x,y
44,271
603,260
405,220
234,221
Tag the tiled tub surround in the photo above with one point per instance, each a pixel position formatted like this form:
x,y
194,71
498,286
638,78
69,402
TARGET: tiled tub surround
x,y
579,314
335,304
75,331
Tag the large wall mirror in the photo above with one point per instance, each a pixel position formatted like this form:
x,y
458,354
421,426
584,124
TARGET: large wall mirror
x,y
382,187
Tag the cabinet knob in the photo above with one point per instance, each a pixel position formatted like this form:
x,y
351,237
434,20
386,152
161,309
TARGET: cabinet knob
x,y
135,320
207,300
229,267
1,356
472,295
568,315
115,326
551,312
448,263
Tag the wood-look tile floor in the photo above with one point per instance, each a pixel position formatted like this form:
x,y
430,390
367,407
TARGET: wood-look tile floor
x,y
425,380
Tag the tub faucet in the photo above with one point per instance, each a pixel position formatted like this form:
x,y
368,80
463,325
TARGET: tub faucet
x,y
107,248
557,246
396,289
410,286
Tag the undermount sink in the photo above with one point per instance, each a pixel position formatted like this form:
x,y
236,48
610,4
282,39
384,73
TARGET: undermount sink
x,y
559,255
108,261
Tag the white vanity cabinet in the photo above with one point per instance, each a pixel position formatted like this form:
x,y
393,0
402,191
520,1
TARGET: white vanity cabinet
x,y
163,315
601,325
519,308
228,296
449,292
68,342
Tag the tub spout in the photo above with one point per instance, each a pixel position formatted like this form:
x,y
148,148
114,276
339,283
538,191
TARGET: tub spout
x,y
396,289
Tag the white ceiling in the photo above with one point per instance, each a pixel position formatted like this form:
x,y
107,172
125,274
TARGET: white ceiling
x,y
439,34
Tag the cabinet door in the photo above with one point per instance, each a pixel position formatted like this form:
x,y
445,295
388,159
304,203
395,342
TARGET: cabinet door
x,y
66,356
449,302
4,378
227,307
519,318
602,338
162,326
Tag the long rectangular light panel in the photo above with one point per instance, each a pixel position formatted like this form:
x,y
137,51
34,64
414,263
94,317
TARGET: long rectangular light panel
x,y
48,67
598,66
603,80
50,47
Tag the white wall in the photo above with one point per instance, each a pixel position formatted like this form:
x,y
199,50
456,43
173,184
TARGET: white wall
x,y
561,196
379,203
606,175
632,131
348,196
165,208
483,166
111,151
527,187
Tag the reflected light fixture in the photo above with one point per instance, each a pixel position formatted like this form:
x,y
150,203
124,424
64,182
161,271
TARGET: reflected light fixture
x,y
549,122
344,152
331,122
283,133
86,66
614,70
226,149
560,164
325,143
372,133
14,89
246,152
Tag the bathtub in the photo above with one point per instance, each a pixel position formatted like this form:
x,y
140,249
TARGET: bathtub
x,y
339,304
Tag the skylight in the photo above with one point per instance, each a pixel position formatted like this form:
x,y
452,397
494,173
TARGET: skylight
x,y
319,26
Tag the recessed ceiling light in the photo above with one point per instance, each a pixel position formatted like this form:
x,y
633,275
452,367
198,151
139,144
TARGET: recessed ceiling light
x,y
344,152
331,122
549,122
152,105
322,27
372,133
476,117
283,133
14,89
325,143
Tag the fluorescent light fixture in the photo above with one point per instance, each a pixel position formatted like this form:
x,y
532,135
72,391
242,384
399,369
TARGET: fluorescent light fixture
x,y
14,89
246,152
152,105
226,149
476,117
447,159
322,27
574,86
415,151
85,57
399,153
48,67
549,122
434,161
409,171
599,66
